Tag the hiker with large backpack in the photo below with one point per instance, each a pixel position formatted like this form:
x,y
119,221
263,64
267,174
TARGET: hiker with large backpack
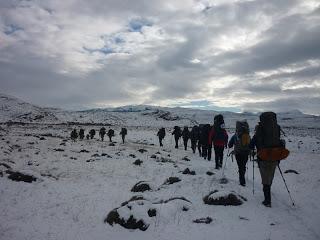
x,y
161,134
81,134
218,137
185,137
110,134
74,135
270,151
177,134
92,132
194,137
241,143
123,134
102,132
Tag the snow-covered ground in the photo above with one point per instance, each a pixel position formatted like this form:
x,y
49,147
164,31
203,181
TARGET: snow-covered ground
x,y
79,183
75,190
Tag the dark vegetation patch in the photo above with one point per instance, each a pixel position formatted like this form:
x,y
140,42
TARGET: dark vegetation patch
x,y
187,171
209,173
131,223
84,151
206,220
171,180
186,159
142,150
105,155
141,187
291,171
152,212
58,150
228,199
20,177
137,162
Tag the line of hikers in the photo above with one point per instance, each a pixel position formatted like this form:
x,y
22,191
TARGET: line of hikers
x,y
102,132
266,137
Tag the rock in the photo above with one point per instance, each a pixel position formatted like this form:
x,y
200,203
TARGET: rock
x,y
105,155
141,187
111,144
223,198
63,144
186,159
58,150
152,212
137,162
209,173
291,171
84,151
132,155
130,223
142,150
73,158
20,177
172,180
153,156
95,155
125,214
187,171
42,138
206,220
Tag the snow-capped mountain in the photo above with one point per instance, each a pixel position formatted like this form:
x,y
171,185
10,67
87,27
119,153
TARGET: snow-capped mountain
x,y
13,109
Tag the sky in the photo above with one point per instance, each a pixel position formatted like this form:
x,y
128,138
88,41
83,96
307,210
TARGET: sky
x,y
212,54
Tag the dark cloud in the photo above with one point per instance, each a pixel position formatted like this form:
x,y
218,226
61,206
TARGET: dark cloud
x,y
242,54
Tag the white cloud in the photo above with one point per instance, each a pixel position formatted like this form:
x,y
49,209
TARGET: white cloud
x,y
229,52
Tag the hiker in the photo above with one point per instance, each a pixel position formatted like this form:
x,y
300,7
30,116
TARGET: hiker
x,y
123,134
92,132
102,132
161,134
110,134
81,134
204,136
218,137
241,143
194,137
199,141
74,135
267,135
177,134
185,137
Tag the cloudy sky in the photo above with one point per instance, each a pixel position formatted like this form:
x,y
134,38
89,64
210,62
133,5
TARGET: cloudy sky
x,y
213,54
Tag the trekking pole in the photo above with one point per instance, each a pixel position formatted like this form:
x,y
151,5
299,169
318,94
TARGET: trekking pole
x,y
286,186
252,173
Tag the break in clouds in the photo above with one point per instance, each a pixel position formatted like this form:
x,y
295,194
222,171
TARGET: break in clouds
x,y
239,55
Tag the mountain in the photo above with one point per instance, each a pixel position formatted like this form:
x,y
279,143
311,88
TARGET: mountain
x,y
16,110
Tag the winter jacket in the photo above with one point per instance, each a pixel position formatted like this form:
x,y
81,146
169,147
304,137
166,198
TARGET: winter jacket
x,y
185,134
218,138
177,133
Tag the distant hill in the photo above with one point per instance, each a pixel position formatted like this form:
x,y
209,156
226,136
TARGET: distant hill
x,y
16,110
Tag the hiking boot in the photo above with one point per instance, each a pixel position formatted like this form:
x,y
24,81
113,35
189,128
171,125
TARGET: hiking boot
x,y
266,203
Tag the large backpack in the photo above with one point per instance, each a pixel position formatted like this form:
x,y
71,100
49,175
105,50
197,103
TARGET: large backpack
x,y
242,143
218,120
268,131
123,131
162,132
